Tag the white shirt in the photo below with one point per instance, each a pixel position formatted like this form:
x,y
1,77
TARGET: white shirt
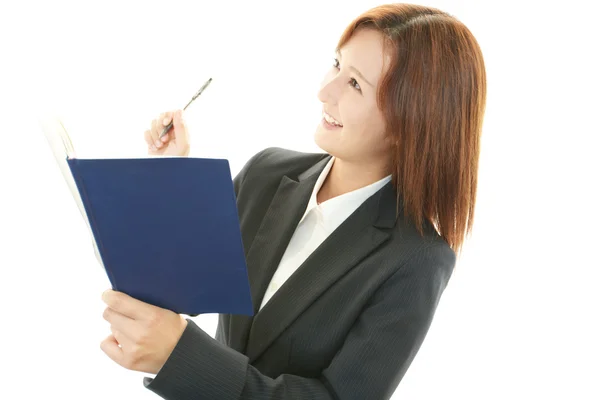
x,y
317,223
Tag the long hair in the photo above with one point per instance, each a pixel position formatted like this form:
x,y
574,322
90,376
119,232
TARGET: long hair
x,y
433,100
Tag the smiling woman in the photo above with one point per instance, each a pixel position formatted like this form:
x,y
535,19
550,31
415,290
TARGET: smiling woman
x,y
429,70
355,133
348,250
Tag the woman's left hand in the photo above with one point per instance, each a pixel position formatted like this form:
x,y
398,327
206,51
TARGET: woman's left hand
x,y
143,335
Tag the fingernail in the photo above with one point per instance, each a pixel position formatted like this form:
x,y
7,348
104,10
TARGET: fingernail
x,y
166,121
158,143
165,138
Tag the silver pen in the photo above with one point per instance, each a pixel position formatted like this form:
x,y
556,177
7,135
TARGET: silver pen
x,y
168,127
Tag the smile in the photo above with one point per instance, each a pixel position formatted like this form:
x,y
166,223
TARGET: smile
x,y
330,120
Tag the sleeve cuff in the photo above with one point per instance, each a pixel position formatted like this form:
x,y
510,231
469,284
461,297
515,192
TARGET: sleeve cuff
x,y
200,367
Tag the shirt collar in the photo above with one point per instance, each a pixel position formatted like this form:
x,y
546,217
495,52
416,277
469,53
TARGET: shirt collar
x,y
336,209
312,202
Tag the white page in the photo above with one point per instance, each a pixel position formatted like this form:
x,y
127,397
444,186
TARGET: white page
x,y
61,146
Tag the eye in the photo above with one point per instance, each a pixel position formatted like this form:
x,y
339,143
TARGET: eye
x,y
354,84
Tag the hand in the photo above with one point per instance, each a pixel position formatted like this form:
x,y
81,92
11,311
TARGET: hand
x,y
175,142
143,336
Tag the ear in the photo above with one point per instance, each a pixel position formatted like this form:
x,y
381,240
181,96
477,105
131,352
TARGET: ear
x,y
390,141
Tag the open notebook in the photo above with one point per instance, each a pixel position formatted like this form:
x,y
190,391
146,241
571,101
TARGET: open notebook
x,y
165,229
62,148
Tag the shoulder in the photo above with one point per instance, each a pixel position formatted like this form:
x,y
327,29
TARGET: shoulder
x,y
429,259
407,248
274,162
284,159
414,276
409,254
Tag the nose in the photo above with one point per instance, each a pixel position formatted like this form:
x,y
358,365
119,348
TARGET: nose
x,y
330,90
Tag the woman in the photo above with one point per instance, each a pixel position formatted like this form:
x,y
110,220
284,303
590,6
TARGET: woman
x,y
348,251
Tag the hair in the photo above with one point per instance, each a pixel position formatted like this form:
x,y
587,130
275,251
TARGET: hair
x,y
433,101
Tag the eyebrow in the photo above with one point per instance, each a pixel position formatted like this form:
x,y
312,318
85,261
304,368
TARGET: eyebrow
x,y
355,70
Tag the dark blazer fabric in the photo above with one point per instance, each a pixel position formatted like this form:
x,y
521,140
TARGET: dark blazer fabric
x,y
346,325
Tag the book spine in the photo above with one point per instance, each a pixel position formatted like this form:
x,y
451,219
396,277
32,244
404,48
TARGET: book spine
x,y
73,165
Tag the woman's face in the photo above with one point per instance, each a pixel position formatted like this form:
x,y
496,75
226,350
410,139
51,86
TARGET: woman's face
x,y
349,95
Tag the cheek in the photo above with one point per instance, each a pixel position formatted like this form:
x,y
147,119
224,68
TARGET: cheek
x,y
366,131
378,122
364,123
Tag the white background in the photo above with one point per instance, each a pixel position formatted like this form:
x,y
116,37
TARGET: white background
x,y
520,317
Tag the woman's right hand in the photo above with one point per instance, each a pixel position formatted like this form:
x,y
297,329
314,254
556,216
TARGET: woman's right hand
x,y
173,143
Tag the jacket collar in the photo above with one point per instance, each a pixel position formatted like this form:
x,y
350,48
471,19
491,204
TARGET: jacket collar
x,y
360,234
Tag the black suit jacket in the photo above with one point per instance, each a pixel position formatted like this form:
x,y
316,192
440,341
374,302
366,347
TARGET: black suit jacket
x,y
346,325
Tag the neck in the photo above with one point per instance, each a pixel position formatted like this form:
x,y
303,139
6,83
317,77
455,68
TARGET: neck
x,y
345,177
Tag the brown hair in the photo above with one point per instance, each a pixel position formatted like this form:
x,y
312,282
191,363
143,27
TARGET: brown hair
x,y
433,99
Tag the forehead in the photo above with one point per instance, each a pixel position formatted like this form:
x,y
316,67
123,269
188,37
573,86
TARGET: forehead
x,y
366,52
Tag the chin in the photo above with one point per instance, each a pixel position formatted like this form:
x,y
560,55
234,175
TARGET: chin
x,y
326,141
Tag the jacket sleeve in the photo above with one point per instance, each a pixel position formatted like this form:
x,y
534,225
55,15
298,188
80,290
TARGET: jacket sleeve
x,y
373,359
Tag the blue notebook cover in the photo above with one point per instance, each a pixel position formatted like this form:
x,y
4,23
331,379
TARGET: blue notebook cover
x,y
167,231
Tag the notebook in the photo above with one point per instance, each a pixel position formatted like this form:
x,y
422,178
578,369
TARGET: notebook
x,y
165,229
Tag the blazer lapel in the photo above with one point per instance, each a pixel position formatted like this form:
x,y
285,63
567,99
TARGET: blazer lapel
x,y
271,240
341,251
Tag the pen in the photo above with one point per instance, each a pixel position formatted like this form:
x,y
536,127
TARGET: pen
x,y
168,127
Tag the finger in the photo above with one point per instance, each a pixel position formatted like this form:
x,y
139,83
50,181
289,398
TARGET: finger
x,y
157,128
155,131
161,123
149,141
166,120
127,305
122,340
122,323
170,135
168,138
110,346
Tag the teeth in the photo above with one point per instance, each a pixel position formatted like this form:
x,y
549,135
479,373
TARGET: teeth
x,y
330,119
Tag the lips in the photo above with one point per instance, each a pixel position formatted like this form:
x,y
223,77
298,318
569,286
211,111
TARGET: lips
x,y
331,120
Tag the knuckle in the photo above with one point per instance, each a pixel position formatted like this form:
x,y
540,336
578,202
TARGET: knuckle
x,y
138,339
136,351
115,302
154,319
